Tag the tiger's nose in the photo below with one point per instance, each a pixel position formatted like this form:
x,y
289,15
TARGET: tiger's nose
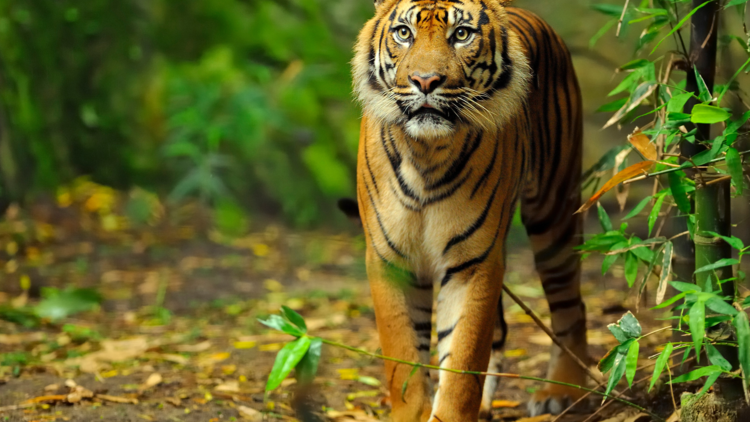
x,y
427,83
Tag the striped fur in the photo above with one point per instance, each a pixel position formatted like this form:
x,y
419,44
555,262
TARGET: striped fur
x,y
470,108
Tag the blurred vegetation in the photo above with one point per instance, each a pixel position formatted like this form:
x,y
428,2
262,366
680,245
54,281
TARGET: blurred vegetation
x,y
245,102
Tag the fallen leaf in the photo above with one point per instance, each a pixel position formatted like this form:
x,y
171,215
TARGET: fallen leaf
x,y
194,348
350,415
229,387
116,399
52,387
249,413
42,399
153,380
497,404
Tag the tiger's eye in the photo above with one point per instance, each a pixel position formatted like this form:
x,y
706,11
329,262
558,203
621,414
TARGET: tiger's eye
x,y
462,34
404,33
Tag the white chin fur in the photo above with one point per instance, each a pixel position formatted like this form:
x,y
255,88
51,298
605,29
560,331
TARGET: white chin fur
x,y
430,129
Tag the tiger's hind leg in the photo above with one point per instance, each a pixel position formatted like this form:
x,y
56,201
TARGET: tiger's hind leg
x,y
554,237
496,362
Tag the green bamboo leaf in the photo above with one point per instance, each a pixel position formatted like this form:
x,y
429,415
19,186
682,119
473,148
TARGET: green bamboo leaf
x,y
734,164
685,287
406,381
666,272
606,363
697,324
618,370
286,360
670,301
709,382
734,3
603,218
630,325
631,362
612,106
294,318
308,366
610,259
278,323
718,305
654,215
677,103
715,357
661,361
734,242
742,327
678,191
631,268
724,262
618,332
697,374
703,92
679,25
704,113
638,208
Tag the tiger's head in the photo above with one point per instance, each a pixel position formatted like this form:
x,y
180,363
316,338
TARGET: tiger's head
x,y
431,66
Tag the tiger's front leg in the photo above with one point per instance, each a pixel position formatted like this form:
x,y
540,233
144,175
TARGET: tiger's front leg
x,y
403,311
466,315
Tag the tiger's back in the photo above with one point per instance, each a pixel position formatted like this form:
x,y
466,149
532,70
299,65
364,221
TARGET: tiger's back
x,y
469,108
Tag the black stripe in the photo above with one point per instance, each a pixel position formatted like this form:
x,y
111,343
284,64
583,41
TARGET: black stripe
x,y
478,223
559,283
423,348
483,177
442,359
565,304
445,333
458,166
382,228
423,326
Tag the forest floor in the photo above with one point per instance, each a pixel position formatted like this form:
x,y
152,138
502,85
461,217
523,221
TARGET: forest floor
x,y
176,337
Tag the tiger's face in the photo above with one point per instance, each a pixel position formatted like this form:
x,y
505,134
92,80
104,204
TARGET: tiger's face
x,y
434,65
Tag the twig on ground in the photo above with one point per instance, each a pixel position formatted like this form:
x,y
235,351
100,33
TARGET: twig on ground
x,y
549,332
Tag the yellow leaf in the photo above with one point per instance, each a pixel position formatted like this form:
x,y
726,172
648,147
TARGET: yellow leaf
x,y
497,404
261,249
627,173
25,282
348,373
273,285
643,145
515,353
271,347
244,344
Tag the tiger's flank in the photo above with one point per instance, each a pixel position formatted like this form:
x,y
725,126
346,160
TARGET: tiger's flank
x,y
471,108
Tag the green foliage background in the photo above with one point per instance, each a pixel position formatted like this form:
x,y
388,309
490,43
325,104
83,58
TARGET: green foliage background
x,y
239,102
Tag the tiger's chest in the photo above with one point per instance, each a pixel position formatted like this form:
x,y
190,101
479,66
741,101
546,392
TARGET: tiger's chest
x,y
432,208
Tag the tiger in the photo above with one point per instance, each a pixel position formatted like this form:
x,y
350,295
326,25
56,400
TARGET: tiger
x,y
469,108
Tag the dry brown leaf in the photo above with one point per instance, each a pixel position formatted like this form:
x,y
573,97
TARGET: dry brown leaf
x,y
112,351
194,348
629,415
675,417
249,413
628,173
117,399
643,145
229,387
152,380
52,387
42,399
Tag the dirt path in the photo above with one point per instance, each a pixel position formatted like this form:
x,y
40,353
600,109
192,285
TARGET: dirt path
x,y
207,358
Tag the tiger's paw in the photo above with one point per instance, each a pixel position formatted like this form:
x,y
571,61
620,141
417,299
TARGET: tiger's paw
x,y
552,400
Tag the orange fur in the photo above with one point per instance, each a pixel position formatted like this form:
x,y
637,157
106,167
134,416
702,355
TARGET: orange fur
x,y
456,130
